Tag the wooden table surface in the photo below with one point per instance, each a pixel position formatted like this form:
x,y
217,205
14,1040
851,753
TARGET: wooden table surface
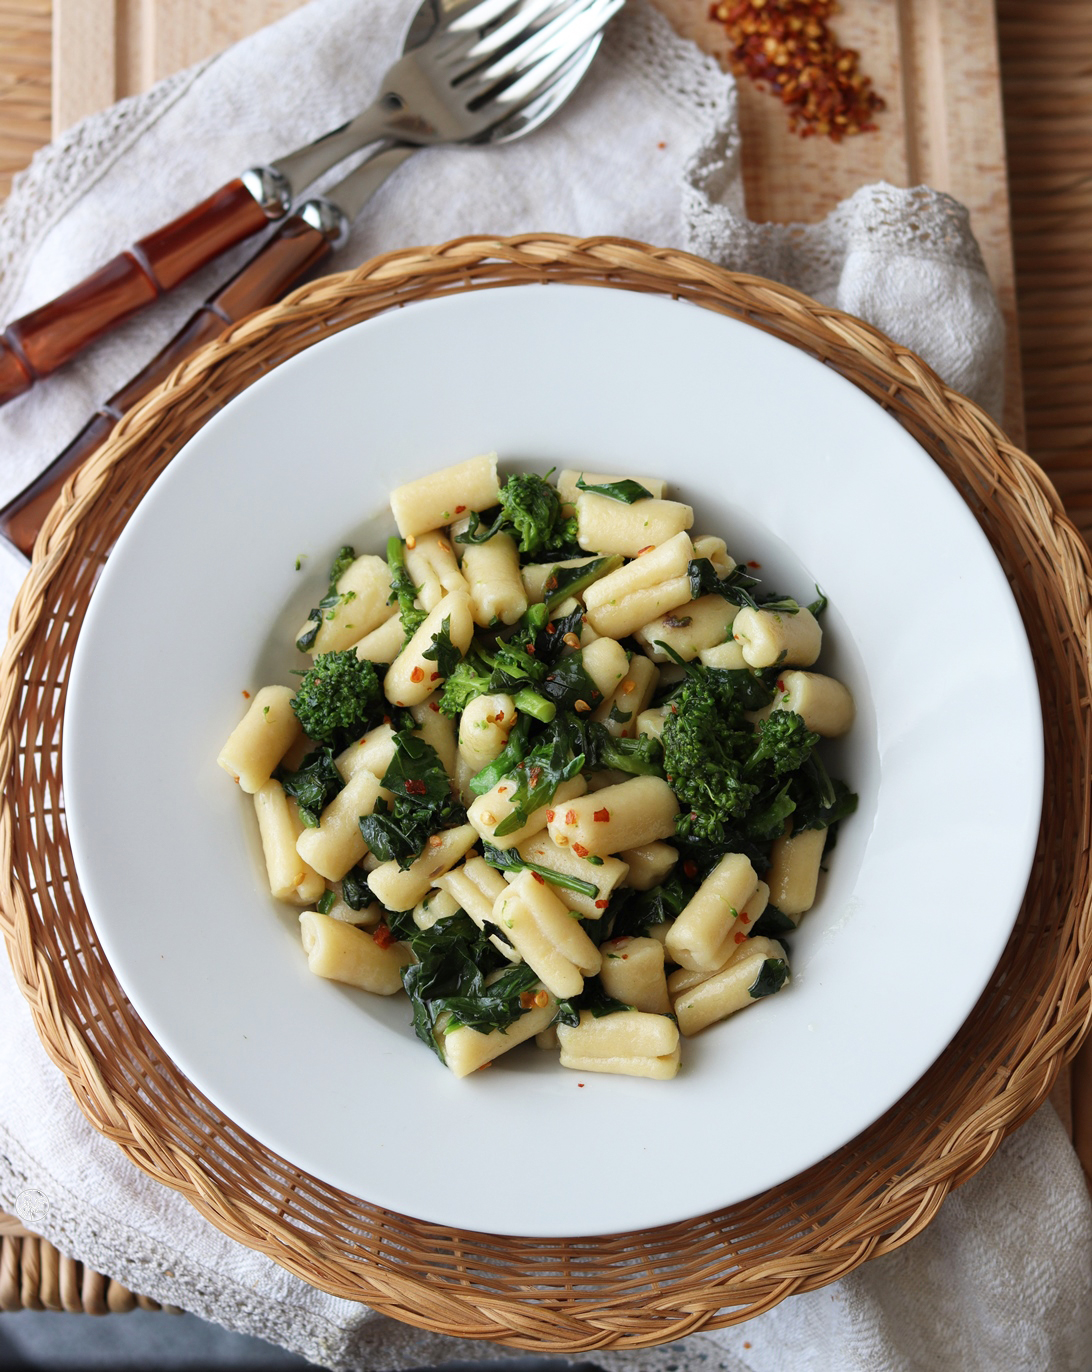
x,y
952,108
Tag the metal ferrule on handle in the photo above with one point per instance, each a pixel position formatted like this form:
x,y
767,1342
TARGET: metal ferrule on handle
x,y
37,344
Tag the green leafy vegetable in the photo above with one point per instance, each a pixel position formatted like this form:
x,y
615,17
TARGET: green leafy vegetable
x,y
403,590
313,785
773,974
773,924
592,998
443,652
530,509
513,753
326,902
536,779
736,587
564,582
818,606
625,490
509,860
355,891
338,699
567,682
423,803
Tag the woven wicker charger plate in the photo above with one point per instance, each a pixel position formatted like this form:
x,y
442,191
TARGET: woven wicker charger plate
x,y
630,1290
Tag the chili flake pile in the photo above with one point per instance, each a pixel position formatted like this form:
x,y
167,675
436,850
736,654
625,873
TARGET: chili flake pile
x,y
787,45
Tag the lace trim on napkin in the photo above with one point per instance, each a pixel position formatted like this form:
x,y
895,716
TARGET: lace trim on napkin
x,y
63,170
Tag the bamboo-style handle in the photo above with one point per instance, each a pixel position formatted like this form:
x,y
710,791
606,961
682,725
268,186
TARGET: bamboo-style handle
x,y
40,342
284,260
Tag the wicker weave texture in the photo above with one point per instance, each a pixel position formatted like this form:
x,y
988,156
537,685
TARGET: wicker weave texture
x,y
630,1290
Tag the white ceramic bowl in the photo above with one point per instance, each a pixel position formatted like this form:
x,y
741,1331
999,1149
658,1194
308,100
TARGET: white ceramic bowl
x,y
799,471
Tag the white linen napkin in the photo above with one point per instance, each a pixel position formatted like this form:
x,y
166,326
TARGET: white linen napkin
x,y
647,149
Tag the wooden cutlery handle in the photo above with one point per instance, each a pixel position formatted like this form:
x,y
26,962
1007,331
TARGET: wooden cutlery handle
x,y
43,340
284,260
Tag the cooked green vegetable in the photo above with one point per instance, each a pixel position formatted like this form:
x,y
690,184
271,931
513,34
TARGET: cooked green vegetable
x,y
509,860
403,590
773,974
355,891
338,699
530,510
626,490
592,998
313,785
443,652
537,777
564,582
423,803
326,902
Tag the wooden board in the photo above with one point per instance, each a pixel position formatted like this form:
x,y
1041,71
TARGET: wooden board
x,y
935,63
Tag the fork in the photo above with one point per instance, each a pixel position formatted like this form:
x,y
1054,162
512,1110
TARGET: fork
x,y
522,98
463,69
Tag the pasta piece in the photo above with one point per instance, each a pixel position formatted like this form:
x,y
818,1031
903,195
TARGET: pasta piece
x,y
412,677
434,569
651,722
547,1039
605,661
475,887
633,972
606,876
748,977
367,918
621,602
492,574
341,952
628,1043
290,878
435,500
824,704
703,623
484,728
401,889
619,712
489,811
438,731
701,937
536,574
382,644
611,526
263,736
570,493
794,871
337,844
546,934
649,865
363,587
714,550
465,1049
728,656
435,905
633,813
374,752
772,637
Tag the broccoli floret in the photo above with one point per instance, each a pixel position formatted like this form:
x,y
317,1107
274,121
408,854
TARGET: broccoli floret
x,y
784,743
469,679
703,743
533,508
337,699
639,756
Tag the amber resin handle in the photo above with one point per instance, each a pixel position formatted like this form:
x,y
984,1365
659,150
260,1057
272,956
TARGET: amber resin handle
x,y
40,342
286,258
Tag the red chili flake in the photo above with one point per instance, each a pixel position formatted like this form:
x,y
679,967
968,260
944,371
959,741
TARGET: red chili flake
x,y
754,564
530,648
781,685
580,1084
745,918
411,542
434,707
646,549
580,850
246,695
551,628
550,584
383,936
690,867
459,509
485,1065
526,1000
661,145
786,46
582,707
541,880
570,816
549,816
740,938
416,787
418,674
542,999
533,775
602,816
601,904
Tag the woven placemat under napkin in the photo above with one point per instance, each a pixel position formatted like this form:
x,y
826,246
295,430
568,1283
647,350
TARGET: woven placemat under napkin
x,y
648,149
